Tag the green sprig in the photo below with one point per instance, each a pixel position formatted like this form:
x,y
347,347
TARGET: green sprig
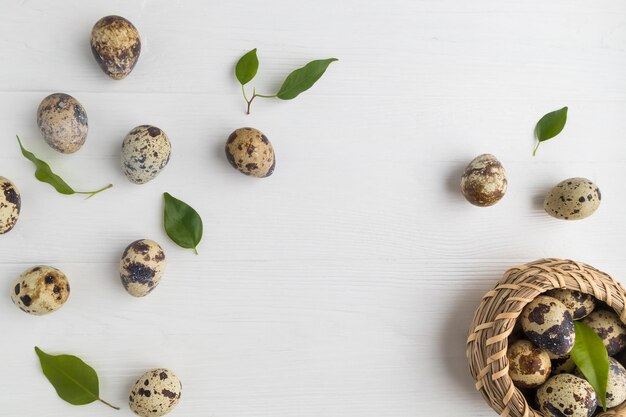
x,y
45,174
296,82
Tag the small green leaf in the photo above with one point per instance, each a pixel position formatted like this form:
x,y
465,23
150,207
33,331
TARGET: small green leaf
x,y
550,125
182,223
44,173
591,357
303,78
247,67
74,380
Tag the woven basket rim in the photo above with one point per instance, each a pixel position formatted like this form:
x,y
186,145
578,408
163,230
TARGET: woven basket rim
x,y
495,318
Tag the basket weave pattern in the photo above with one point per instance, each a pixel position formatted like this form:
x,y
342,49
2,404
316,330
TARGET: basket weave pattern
x,y
498,310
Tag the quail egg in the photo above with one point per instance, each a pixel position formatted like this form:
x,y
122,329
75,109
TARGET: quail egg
x,y
549,325
563,365
484,181
579,304
10,205
116,45
616,385
610,329
566,395
62,121
145,152
529,366
155,394
141,267
573,199
40,290
250,152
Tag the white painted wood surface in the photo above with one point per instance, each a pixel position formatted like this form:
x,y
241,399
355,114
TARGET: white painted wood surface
x,y
344,284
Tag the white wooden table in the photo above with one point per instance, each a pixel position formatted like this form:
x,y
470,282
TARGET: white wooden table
x,y
344,284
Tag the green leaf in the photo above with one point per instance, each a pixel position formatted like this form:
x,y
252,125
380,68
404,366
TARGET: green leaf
x,y
247,67
550,125
74,380
44,173
591,357
182,223
303,78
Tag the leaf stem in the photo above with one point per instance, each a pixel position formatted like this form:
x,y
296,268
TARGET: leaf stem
x,y
110,405
249,103
254,95
195,249
536,147
243,90
92,193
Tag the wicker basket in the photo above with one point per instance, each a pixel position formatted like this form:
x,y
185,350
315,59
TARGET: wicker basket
x,y
495,318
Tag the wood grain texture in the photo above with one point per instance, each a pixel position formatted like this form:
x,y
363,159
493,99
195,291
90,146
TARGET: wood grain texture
x,y
344,284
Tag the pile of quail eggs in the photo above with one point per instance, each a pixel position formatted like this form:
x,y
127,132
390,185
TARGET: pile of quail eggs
x,y
145,152
146,149
539,353
484,183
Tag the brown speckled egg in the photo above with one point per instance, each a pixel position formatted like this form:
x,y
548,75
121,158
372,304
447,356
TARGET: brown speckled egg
x,y
616,384
145,152
566,395
63,123
563,365
549,325
573,199
616,387
141,267
155,394
250,152
40,290
529,366
610,329
484,181
10,205
116,45
579,304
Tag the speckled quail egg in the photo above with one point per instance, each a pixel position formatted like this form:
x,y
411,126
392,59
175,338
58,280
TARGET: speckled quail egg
x,y
40,290
484,181
250,152
156,393
63,123
616,385
563,365
610,329
141,267
10,205
145,152
529,366
579,304
116,45
566,395
549,325
573,199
